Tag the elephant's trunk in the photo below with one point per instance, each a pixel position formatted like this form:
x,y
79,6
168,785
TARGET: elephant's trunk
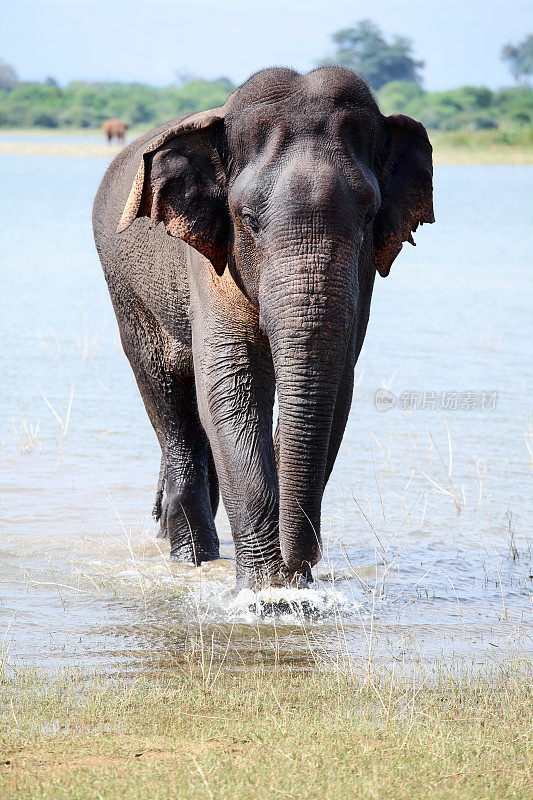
x,y
308,339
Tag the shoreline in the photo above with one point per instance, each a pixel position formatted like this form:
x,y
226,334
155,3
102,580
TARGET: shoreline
x,y
84,144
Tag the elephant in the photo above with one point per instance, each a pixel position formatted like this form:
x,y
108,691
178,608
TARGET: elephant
x,y
240,246
115,129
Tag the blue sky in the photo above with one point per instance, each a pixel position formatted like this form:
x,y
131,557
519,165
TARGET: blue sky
x,y
149,40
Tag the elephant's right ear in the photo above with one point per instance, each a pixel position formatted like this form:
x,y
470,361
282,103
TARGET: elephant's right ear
x,y
181,182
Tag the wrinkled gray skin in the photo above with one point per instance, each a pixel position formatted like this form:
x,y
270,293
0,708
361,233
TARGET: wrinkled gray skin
x,y
292,194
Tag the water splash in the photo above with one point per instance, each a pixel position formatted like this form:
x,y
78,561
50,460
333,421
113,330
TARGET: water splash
x,y
289,605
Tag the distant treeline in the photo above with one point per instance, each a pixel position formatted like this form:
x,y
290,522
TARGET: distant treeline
x,y
390,68
474,107
87,105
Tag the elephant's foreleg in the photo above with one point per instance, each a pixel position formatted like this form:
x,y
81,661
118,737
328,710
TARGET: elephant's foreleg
x,y
214,487
235,388
340,415
345,390
157,510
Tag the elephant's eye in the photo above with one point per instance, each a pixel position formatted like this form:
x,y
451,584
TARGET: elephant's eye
x,y
249,219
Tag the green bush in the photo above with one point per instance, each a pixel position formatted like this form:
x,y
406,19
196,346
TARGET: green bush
x,y
396,96
467,108
87,105
468,121
521,118
43,119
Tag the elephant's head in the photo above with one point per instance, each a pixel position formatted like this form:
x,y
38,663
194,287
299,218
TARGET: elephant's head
x,y
302,189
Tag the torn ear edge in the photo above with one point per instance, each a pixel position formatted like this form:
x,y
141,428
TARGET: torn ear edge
x,y
407,193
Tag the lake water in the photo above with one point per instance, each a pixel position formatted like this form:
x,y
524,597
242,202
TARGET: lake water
x,y
428,500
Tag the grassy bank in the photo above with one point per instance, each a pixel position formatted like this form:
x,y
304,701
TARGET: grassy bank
x,y
259,734
453,147
482,147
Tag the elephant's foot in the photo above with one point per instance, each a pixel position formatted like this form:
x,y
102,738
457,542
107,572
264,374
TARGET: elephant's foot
x,y
186,520
196,554
271,576
271,593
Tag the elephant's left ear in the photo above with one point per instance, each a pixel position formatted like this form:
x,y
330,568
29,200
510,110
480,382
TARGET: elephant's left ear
x,y
181,182
406,184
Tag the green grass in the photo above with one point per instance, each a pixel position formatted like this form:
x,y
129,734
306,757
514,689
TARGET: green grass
x,y
483,147
258,734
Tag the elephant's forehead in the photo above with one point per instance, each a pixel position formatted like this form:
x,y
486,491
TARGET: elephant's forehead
x,y
340,86
282,101
275,86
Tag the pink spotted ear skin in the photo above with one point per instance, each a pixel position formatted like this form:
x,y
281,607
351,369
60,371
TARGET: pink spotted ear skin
x,y
181,182
406,184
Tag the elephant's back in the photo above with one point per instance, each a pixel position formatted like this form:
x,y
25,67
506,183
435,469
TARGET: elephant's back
x,y
141,263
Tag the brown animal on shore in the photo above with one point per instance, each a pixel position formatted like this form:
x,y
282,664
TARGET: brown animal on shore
x,y
115,129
